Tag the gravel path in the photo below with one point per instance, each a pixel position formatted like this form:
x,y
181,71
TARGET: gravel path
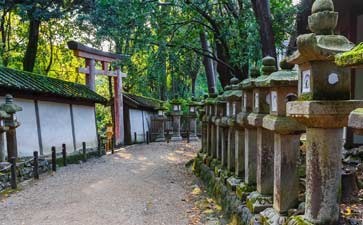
x,y
141,184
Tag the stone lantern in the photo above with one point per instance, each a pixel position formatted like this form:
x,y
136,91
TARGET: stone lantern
x,y
202,118
161,118
3,128
250,135
265,140
213,127
209,112
176,113
193,120
235,148
323,107
221,158
12,123
283,85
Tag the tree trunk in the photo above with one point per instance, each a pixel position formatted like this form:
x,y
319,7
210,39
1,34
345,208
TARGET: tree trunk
x,y
208,64
32,46
304,11
262,12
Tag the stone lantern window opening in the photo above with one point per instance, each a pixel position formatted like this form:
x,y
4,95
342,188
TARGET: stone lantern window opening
x,y
305,84
192,109
291,97
274,101
227,109
176,107
234,108
160,112
257,101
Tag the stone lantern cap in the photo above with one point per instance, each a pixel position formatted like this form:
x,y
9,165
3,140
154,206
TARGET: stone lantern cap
x,y
234,93
10,107
249,83
268,67
322,44
195,103
162,107
211,100
282,78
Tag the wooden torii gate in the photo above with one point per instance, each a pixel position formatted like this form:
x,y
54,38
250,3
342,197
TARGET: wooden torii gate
x,y
91,55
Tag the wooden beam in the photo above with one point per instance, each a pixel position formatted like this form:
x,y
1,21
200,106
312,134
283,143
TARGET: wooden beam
x,y
98,72
87,55
93,53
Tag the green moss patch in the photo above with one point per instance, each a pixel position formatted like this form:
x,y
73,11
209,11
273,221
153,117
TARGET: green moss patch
x,y
351,58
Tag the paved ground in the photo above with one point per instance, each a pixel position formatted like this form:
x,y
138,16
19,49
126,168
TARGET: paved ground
x,y
142,184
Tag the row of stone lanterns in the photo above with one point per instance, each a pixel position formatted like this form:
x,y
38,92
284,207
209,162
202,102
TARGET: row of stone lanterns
x,y
252,136
176,114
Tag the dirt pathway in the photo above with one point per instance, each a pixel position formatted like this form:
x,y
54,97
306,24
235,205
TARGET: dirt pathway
x,y
142,184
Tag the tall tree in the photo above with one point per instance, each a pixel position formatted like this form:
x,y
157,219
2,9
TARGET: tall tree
x,y
262,12
38,11
208,64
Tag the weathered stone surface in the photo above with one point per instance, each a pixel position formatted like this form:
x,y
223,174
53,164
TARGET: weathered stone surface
x,y
256,202
298,220
270,216
327,114
243,190
282,124
286,178
232,183
213,138
242,120
265,161
356,120
255,119
224,148
323,175
231,150
240,153
250,155
218,142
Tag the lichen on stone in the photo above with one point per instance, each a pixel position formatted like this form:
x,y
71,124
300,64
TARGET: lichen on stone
x,y
350,58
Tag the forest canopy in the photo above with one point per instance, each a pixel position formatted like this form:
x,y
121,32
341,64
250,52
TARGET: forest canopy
x,y
174,47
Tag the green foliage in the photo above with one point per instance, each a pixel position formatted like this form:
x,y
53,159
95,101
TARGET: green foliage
x,y
162,39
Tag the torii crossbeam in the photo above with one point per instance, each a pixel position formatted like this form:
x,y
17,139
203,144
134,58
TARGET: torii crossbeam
x,y
91,55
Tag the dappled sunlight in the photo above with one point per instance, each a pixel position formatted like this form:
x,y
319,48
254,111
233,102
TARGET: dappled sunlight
x,y
100,185
123,155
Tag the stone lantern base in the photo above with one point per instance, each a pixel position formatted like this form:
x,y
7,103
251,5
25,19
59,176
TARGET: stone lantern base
x,y
160,139
324,121
176,139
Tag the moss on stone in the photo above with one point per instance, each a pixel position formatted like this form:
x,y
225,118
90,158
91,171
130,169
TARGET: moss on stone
x,y
351,58
297,220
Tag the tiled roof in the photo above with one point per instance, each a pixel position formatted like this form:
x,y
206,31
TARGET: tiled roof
x,y
142,101
29,82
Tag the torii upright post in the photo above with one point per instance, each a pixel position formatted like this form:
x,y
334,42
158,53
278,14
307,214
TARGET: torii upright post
x,y
92,55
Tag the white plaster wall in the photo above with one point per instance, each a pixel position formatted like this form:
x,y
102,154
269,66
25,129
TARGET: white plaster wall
x,y
136,123
56,126
140,122
85,126
27,135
